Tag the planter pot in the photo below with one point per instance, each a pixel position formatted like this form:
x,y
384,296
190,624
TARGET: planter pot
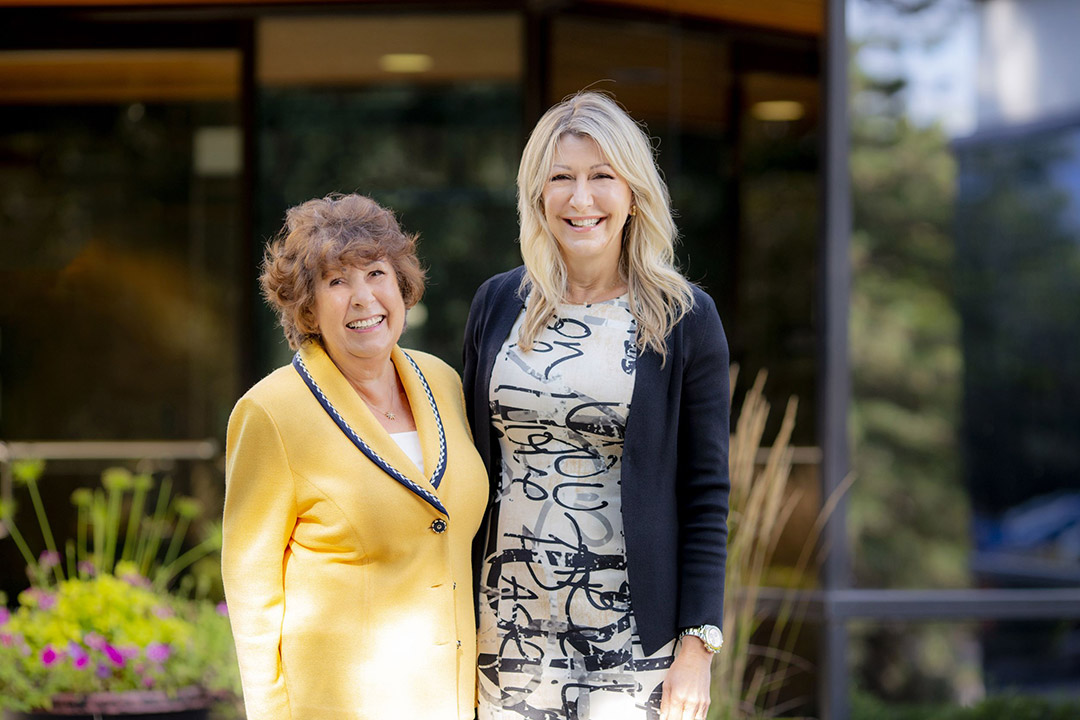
x,y
187,704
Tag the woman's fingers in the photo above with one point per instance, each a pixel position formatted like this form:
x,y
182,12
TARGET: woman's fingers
x,y
679,702
685,692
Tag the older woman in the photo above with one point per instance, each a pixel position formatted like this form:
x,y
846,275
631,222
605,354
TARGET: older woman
x,y
353,490
596,380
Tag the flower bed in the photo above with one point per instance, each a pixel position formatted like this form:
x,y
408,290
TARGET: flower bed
x,y
103,635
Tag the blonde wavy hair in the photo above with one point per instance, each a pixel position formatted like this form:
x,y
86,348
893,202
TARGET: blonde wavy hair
x,y
659,295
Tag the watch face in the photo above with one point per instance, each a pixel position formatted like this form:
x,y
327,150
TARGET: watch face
x,y
713,636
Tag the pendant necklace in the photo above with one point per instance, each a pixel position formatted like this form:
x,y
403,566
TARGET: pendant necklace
x,y
388,414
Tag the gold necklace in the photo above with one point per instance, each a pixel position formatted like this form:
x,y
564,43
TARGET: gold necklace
x,y
617,285
389,414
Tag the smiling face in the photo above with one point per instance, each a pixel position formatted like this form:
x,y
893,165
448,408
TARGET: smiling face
x,y
359,312
586,204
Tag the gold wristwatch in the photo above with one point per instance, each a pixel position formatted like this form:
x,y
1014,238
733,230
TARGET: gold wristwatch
x,y
710,636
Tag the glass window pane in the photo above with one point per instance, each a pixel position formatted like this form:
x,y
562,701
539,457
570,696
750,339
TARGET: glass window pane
x,y
120,188
1018,291
735,116
437,141
1024,668
966,162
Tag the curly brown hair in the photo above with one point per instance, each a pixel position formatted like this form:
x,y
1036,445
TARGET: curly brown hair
x,y
332,232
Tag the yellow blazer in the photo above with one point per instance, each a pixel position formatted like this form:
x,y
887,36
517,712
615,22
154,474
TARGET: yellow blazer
x,y
349,589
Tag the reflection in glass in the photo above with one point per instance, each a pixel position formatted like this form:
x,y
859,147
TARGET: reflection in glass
x,y
744,187
1018,259
966,276
439,146
1008,669
118,317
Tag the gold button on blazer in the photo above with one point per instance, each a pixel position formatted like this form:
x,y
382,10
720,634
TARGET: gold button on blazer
x,y
347,601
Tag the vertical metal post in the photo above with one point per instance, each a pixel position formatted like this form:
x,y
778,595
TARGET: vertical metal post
x,y
834,380
253,342
536,49
5,485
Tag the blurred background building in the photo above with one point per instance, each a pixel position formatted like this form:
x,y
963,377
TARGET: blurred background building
x,y
148,150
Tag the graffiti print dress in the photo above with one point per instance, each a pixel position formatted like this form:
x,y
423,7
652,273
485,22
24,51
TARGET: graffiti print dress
x,y
557,636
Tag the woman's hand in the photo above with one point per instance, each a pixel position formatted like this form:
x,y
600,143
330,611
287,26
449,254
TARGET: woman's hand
x,y
686,687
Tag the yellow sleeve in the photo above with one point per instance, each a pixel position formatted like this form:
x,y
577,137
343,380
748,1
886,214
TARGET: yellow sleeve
x,y
260,513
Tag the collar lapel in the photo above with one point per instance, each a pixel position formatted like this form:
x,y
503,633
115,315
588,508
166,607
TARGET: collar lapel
x,y
509,305
426,416
358,423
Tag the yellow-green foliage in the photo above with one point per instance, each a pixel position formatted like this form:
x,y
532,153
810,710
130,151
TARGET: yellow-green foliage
x,y
108,634
116,609
98,617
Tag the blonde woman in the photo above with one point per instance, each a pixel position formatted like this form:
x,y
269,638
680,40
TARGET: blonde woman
x,y
596,382
353,490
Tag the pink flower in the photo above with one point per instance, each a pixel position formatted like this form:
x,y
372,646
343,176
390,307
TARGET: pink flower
x,y
87,568
49,559
148,681
157,652
7,639
163,611
130,652
49,656
5,615
39,598
78,655
136,580
94,641
114,655
222,609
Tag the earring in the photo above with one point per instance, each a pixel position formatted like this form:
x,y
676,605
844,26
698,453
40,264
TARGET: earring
x,y
633,210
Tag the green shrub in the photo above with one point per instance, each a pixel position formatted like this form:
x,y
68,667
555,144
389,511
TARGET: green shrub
x,y
107,610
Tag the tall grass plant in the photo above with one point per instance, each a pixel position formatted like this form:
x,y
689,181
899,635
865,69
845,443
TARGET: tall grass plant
x,y
759,660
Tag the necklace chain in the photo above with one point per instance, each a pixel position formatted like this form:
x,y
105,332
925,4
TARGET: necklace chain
x,y
389,414
614,286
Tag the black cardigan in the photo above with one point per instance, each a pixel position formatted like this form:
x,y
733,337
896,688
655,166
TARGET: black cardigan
x,y
674,464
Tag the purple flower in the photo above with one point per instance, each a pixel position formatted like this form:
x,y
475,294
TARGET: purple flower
x,y
39,598
49,559
114,655
49,656
222,609
103,671
87,568
78,655
136,580
157,652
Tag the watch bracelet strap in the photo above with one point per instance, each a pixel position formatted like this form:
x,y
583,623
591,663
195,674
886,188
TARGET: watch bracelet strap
x,y
699,633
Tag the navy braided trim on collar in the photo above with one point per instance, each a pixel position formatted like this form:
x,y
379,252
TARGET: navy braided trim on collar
x,y
440,466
